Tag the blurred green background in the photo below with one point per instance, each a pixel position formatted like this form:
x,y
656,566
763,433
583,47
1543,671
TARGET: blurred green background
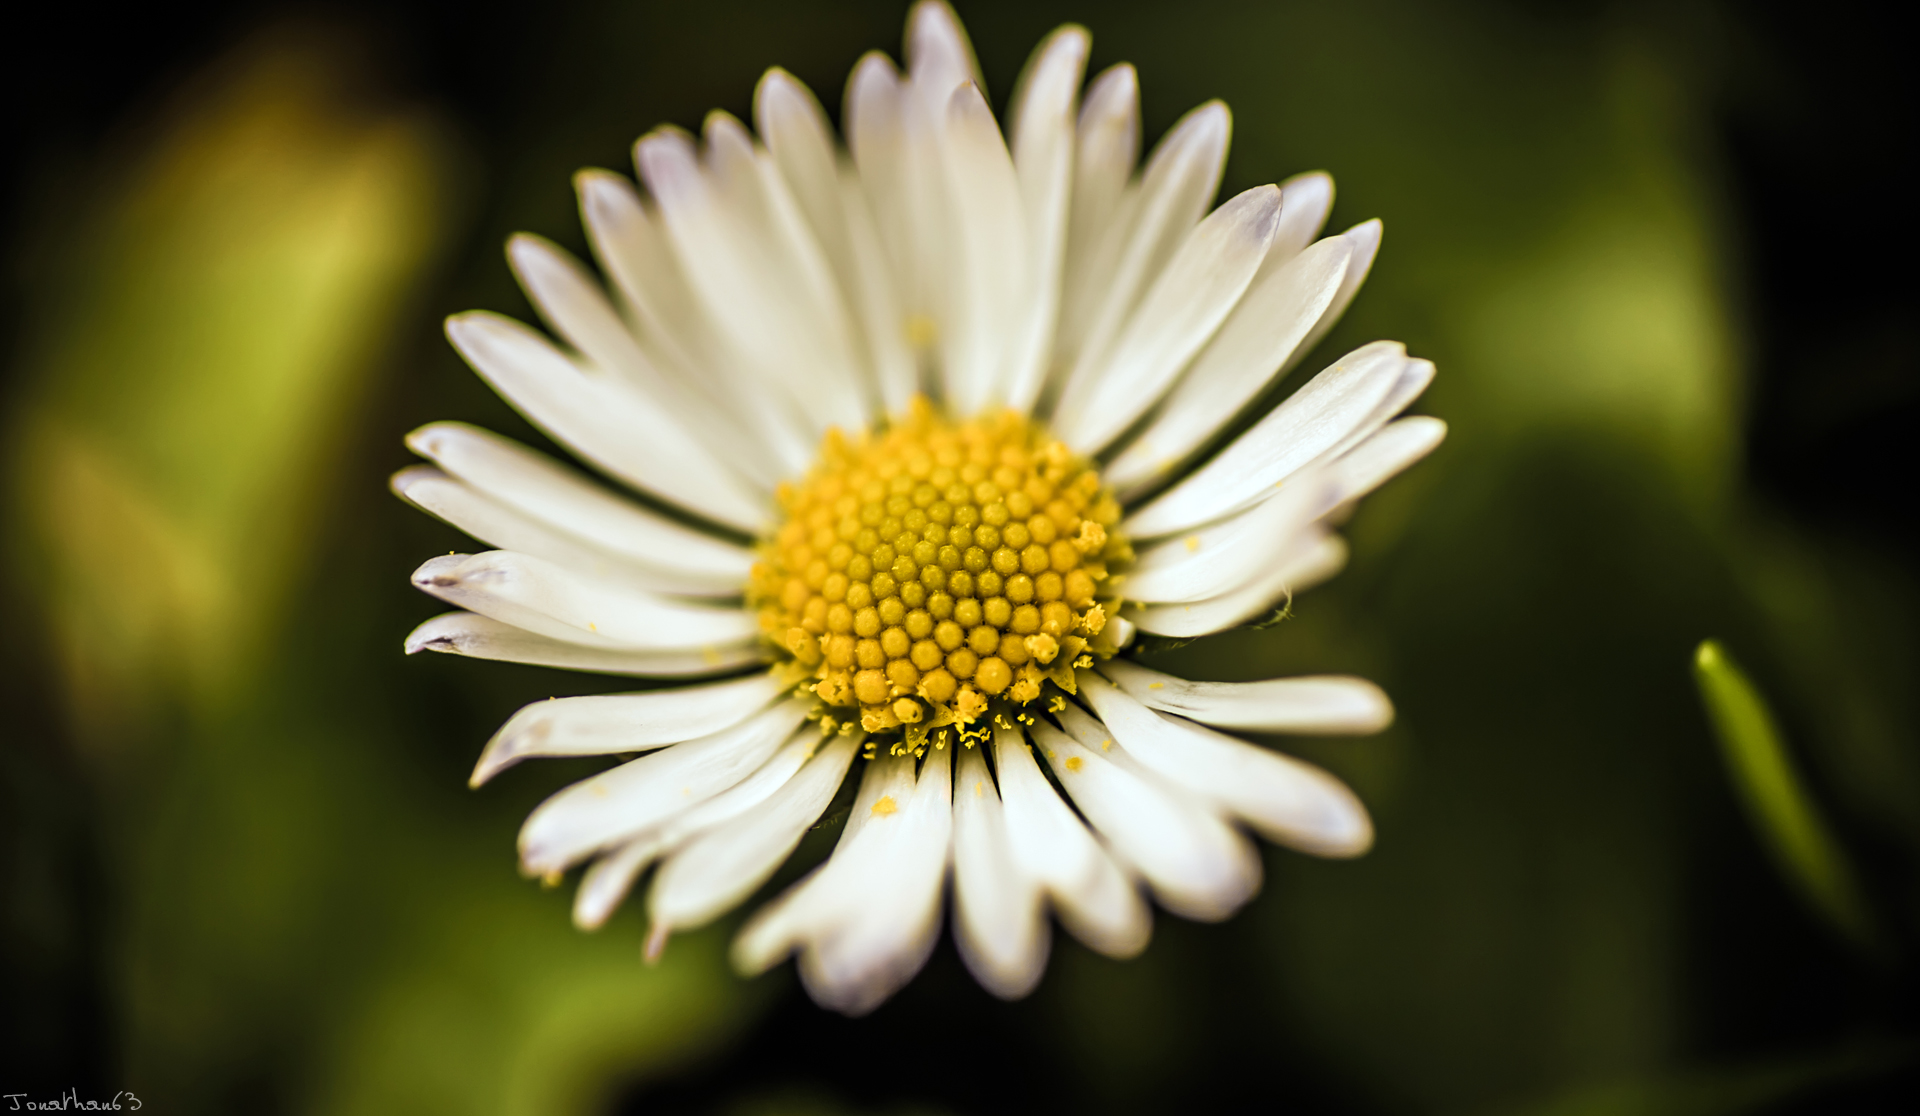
x,y
1654,249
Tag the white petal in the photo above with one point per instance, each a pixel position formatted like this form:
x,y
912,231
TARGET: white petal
x,y
490,521
1251,348
888,777
806,275
896,127
937,49
876,134
874,284
479,637
1324,704
1298,568
788,922
1043,145
935,210
604,421
1309,198
571,301
493,522
630,247
867,920
751,793
1227,555
1414,378
797,133
1187,302
1291,802
606,724
1364,239
556,602
639,794
1154,219
632,250
672,327
779,328
1198,865
885,938
997,921
991,286
721,866
607,881
1106,146
1377,460
1314,557
1320,417
541,488
1093,897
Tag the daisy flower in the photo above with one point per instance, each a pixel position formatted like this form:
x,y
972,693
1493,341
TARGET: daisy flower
x,y
908,444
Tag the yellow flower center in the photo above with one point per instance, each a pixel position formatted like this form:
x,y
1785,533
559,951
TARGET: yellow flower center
x,y
924,569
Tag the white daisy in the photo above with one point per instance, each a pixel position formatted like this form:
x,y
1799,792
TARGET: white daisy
x,y
918,435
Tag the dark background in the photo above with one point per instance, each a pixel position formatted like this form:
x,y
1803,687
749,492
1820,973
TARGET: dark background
x,y
1573,601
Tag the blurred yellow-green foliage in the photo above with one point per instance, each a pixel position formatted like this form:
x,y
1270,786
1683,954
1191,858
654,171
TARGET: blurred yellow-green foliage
x,y
218,316
243,873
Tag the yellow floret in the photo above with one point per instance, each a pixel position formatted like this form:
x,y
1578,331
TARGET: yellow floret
x,y
922,569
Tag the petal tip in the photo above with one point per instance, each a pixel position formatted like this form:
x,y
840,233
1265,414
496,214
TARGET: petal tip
x,y
399,482
1367,233
492,762
586,178
1073,36
873,66
440,572
429,636
1213,114
427,440
656,945
468,327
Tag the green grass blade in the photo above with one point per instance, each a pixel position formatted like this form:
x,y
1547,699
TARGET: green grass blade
x,y
1775,796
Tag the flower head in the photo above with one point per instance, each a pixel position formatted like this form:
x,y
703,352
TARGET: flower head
x,y
919,437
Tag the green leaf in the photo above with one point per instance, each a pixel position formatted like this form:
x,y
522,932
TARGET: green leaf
x,y
1775,795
